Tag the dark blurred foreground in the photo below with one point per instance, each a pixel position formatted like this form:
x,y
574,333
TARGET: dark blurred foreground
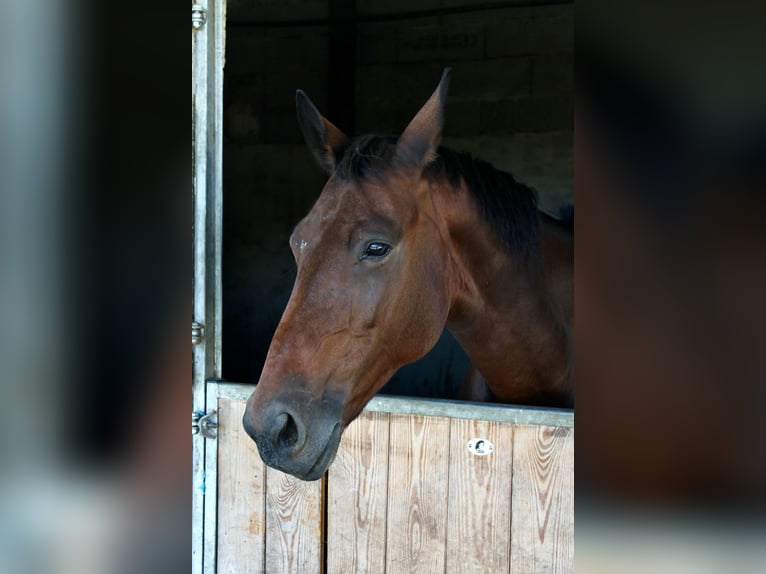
x,y
670,288
95,269
95,272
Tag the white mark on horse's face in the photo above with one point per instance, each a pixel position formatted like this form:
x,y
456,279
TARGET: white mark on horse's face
x,y
302,245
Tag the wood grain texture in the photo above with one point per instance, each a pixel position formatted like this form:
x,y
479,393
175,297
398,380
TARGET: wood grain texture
x,y
404,495
542,528
417,494
241,494
479,517
357,498
294,522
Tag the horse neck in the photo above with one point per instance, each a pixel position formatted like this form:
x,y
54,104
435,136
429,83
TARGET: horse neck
x,y
512,319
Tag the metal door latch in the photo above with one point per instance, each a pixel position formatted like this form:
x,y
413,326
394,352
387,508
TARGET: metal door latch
x,y
198,331
205,424
199,16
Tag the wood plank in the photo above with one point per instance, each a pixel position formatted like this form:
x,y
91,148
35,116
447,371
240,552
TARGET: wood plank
x,y
294,522
542,528
357,498
417,494
241,494
478,526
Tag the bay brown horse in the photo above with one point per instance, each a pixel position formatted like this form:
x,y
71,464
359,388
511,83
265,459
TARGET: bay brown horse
x,y
405,239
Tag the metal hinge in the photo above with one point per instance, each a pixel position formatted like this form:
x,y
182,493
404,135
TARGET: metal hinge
x,y
205,424
199,16
198,331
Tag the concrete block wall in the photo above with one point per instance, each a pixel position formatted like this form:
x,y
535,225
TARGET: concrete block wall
x,y
269,178
511,97
510,103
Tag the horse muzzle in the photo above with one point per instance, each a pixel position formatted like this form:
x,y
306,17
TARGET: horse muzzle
x,y
294,435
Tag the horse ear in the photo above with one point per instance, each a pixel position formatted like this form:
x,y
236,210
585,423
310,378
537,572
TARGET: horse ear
x,y
325,141
418,143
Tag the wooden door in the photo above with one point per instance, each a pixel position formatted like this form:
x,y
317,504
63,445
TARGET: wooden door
x,y
404,494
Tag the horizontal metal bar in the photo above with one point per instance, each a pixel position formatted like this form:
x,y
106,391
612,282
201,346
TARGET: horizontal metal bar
x,y
440,408
465,410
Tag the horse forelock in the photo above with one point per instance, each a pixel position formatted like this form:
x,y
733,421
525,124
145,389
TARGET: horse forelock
x,y
368,157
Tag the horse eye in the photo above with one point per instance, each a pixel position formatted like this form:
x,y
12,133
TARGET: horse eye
x,y
376,250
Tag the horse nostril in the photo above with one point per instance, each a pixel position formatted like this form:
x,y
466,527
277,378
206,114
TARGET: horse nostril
x,y
288,435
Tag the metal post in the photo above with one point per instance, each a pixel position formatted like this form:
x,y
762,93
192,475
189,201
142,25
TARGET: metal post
x,y
208,21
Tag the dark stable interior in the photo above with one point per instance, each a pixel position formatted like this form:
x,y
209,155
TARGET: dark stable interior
x,y
368,66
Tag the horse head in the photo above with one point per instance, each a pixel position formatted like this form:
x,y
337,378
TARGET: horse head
x,y
369,295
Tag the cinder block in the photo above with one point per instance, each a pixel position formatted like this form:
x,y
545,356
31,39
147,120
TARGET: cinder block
x,y
269,10
544,113
246,53
255,162
497,117
266,51
389,118
242,123
279,128
270,181
376,43
300,48
463,118
238,164
490,79
279,89
553,74
531,32
486,16
390,85
304,169
306,190
275,161
367,7
527,114
272,205
462,3
247,89
453,42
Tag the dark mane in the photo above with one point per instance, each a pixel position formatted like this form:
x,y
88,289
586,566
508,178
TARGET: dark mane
x,y
508,206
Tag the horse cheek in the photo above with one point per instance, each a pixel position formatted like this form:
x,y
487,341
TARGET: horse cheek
x,y
428,304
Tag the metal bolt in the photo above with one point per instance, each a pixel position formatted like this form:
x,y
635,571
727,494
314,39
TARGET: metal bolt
x,y
199,16
198,331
